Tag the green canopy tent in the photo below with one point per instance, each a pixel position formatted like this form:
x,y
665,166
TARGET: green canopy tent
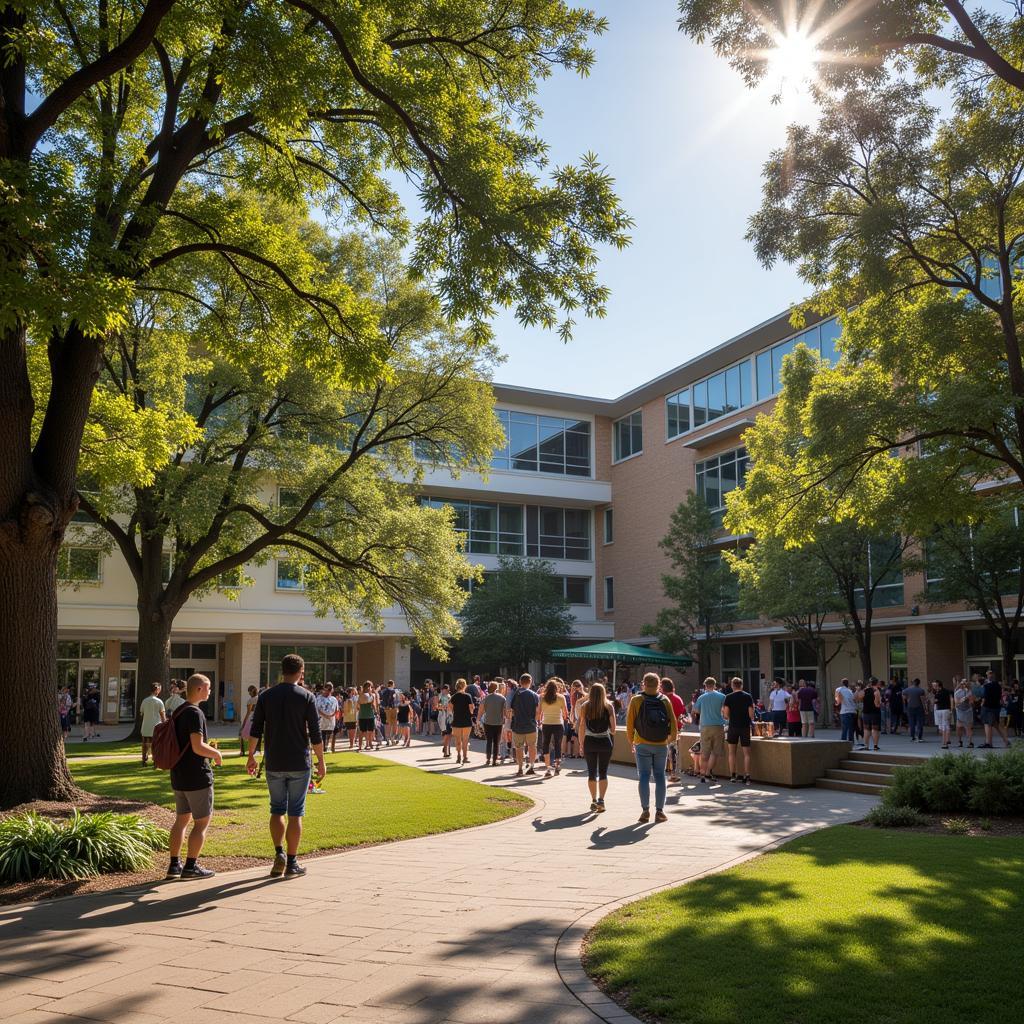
x,y
615,651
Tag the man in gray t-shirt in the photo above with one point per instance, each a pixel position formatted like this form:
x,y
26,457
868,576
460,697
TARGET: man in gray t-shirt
x,y
522,711
913,704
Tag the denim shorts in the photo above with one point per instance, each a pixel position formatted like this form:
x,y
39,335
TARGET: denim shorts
x,y
288,792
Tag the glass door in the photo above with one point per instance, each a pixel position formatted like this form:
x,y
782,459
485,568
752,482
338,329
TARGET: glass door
x,y
209,706
126,699
91,675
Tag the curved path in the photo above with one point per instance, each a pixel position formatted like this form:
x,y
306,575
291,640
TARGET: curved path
x,y
480,926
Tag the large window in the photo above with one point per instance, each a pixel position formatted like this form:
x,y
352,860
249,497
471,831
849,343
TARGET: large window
x,y
793,660
557,532
609,593
717,476
885,574
820,338
291,575
490,529
545,444
575,589
628,435
897,657
79,564
328,664
609,526
718,395
743,660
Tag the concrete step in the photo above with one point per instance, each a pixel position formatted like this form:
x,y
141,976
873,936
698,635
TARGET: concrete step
x,y
882,757
847,775
867,788
879,767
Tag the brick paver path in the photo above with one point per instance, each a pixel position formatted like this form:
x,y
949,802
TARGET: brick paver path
x,y
456,928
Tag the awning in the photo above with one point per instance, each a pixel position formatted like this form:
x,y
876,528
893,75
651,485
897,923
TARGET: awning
x,y
619,653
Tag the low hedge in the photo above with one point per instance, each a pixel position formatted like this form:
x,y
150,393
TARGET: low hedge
x,y
959,783
82,846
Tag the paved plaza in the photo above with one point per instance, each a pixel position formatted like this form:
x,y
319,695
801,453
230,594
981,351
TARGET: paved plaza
x,y
476,927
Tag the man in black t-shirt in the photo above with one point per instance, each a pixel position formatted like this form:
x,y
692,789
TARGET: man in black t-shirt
x,y
738,711
286,717
991,702
192,781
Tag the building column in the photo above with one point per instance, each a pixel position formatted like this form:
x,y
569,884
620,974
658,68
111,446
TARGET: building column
x,y
111,703
241,667
383,659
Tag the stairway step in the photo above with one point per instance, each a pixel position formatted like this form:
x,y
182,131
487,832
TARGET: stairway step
x,y
867,788
879,767
848,775
884,757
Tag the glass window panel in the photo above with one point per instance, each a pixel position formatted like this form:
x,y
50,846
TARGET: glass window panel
x,y
311,653
343,653
523,441
577,589
577,451
67,675
289,575
830,331
700,404
532,531
778,354
716,396
897,651
552,443
609,593
68,648
810,338
746,394
552,521
129,653
764,375
204,652
180,652
609,526
727,477
733,397
678,413
93,649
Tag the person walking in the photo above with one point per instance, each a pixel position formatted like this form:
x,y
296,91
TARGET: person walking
x,y
327,710
192,782
651,729
807,698
404,715
913,702
177,696
91,714
461,721
871,715
430,707
492,717
350,715
596,719
847,710
708,707
243,729
943,699
551,716
991,703
152,712
522,714
366,706
963,705
389,709
738,711
64,704
287,720
444,719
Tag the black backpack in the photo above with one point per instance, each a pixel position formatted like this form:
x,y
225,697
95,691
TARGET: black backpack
x,y
652,720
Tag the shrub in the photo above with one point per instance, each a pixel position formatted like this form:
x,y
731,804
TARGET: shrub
x,y
957,826
83,846
886,816
960,783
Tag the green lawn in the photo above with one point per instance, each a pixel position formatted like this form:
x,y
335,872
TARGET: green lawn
x,y
367,800
103,748
886,927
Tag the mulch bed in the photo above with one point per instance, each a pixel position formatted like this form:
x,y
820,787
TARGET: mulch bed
x,y
45,888
1004,828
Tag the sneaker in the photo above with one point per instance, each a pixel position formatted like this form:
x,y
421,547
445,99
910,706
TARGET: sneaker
x,y
197,872
733,779
703,780
294,869
530,771
173,871
277,868
660,816
644,816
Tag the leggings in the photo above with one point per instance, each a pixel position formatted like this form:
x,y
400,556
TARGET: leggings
x,y
493,736
553,738
598,756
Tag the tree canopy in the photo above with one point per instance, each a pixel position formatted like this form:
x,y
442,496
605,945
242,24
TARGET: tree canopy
x,y
517,615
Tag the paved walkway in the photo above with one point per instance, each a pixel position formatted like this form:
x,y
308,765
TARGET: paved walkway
x,y
474,927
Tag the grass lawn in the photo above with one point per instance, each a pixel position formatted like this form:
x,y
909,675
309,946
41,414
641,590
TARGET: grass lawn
x,y
365,800
886,927
103,748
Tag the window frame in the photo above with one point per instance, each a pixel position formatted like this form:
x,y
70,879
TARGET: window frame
x,y
608,525
633,429
609,589
89,581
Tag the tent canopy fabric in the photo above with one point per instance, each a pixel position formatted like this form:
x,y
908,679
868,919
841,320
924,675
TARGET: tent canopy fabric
x,y
626,654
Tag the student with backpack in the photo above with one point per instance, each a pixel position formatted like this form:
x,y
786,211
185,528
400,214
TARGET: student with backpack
x,y
651,728
191,777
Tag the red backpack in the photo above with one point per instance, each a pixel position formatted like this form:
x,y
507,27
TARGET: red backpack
x,y
166,751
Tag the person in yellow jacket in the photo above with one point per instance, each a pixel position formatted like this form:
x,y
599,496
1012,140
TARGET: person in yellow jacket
x,y
651,728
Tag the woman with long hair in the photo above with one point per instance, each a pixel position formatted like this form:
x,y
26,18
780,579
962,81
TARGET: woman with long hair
x,y
551,714
404,719
492,716
462,721
367,709
350,715
597,727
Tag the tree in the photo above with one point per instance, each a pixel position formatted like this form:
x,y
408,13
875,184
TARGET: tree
x,y
855,40
276,457
860,535
794,586
516,616
978,563
122,127
701,589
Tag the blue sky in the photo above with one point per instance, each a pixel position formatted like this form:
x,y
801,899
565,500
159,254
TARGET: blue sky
x,y
685,141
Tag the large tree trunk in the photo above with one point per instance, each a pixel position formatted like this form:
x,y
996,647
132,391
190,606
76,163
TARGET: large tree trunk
x,y
155,624
32,764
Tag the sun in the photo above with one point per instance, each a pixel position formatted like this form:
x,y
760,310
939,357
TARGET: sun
x,y
793,59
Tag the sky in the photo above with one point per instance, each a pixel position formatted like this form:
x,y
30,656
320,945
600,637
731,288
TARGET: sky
x,y
685,141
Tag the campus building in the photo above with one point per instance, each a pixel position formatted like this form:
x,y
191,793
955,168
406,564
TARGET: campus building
x,y
586,483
